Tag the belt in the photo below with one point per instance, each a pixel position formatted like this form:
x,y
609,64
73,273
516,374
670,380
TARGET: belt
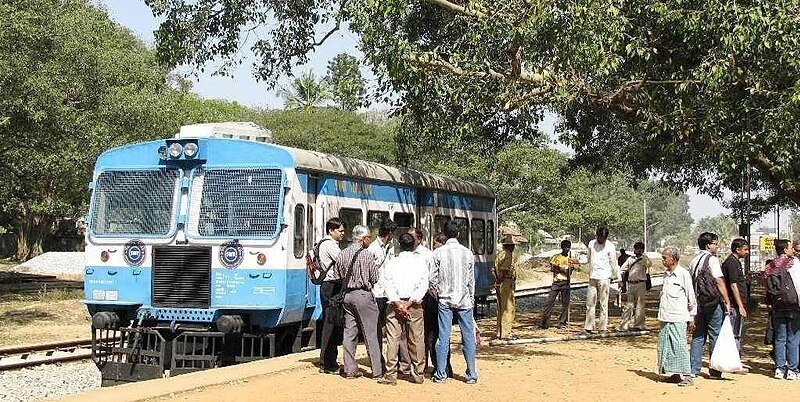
x,y
636,281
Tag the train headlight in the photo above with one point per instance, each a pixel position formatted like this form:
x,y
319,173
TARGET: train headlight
x,y
104,255
175,150
190,150
162,152
261,259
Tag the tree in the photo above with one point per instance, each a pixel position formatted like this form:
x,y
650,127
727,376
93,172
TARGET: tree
x,y
331,131
721,225
347,85
74,83
695,92
305,92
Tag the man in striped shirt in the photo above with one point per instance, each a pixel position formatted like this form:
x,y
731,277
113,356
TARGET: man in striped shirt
x,y
454,280
356,266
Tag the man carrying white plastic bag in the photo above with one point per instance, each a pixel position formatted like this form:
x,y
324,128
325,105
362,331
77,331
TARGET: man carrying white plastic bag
x,y
725,357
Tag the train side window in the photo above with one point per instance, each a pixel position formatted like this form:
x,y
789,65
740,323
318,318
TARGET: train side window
x,y
490,238
351,217
310,238
478,236
438,222
374,219
463,231
404,221
299,231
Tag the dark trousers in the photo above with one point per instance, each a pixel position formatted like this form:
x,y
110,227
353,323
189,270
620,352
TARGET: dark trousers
x,y
331,334
560,288
430,305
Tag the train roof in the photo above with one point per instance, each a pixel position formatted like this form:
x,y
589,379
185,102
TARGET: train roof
x,y
325,163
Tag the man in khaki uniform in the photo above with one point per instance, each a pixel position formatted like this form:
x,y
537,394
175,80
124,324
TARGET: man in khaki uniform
x,y
505,269
635,269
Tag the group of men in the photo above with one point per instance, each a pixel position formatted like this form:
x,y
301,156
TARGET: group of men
x,y
410,299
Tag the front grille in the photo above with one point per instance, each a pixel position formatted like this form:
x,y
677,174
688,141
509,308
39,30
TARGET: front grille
x,y
181,277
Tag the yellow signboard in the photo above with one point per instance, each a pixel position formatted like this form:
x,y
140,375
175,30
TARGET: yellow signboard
x,y
766,243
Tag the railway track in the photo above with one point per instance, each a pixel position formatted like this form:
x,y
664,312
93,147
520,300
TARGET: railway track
x,y
543,290
17,357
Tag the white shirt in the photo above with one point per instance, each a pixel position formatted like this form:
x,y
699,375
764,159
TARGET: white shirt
x,y
713,264
454,275
328,251
427,255
382,254
677,293
406,277
603,260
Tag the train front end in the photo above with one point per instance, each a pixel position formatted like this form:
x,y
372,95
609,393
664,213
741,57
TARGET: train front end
x,y
186,261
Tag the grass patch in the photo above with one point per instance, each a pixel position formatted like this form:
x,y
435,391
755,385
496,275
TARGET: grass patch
x,y
7,263
43,295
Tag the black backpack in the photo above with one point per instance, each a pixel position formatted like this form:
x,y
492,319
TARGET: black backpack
x,y
705,285
316,270
781,293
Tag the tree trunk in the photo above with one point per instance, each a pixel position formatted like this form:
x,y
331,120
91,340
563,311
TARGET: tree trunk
x,y
31,230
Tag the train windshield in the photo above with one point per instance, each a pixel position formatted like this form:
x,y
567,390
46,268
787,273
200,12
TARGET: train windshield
x,y
241,203
134,203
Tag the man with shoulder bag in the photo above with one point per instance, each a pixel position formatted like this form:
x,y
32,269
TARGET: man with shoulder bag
x,y
712,301
635,271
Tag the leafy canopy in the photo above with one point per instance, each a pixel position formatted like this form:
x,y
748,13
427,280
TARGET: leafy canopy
x,y
693,91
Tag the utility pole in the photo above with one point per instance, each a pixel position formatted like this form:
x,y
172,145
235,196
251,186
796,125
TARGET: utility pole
x,y
644,226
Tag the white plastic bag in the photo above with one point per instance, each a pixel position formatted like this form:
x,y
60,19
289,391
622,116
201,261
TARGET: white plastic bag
x,y
725,356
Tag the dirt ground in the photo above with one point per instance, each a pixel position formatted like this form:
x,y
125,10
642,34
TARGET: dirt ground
x,y
619,369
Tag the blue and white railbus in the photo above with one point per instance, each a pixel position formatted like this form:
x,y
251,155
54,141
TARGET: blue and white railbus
x,y
196,245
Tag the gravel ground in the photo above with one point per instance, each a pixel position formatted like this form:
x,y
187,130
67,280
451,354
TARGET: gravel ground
x,y
54,263
48,381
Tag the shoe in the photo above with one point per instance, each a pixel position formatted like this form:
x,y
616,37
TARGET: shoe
x,y
471,381
419,380
791,375
350,376
543,326
686,382
561,326
714,374
386,380
328,370
438,380
512,338
780,373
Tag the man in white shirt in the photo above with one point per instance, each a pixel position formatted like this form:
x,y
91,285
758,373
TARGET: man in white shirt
x,y
406,282
676,309
712,297
603,262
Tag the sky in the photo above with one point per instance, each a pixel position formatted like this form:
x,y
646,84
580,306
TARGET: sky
x,y
243,88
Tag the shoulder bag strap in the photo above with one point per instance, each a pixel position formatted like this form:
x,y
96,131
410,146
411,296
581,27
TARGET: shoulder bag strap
x,y
350,271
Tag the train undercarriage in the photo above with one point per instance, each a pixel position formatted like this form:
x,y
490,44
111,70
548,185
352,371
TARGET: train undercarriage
x,y
137,353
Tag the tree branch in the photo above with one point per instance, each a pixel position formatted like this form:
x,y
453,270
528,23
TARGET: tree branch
x,y
509,209
327,35
450,6
525,76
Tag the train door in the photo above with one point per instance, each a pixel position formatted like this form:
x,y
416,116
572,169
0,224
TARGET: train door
x,y
311,232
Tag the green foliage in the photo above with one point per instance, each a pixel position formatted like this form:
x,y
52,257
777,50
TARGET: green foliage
x,y
305,92
74,84
331,131
721,225
693,91
347,86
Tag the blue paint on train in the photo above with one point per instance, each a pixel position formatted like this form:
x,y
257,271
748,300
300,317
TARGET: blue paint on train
x,y
456,201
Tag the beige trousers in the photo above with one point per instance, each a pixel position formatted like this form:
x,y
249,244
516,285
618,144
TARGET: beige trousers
x,y
634,307
506,308
598,289
414,332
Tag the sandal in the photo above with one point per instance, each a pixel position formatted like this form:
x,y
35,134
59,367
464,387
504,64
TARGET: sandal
x,y
687,382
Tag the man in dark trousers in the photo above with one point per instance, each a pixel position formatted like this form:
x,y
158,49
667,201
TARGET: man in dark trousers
x,y
736,287
331,333
561,265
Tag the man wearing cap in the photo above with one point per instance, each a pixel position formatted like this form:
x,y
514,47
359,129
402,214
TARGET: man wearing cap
x,y
505,284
